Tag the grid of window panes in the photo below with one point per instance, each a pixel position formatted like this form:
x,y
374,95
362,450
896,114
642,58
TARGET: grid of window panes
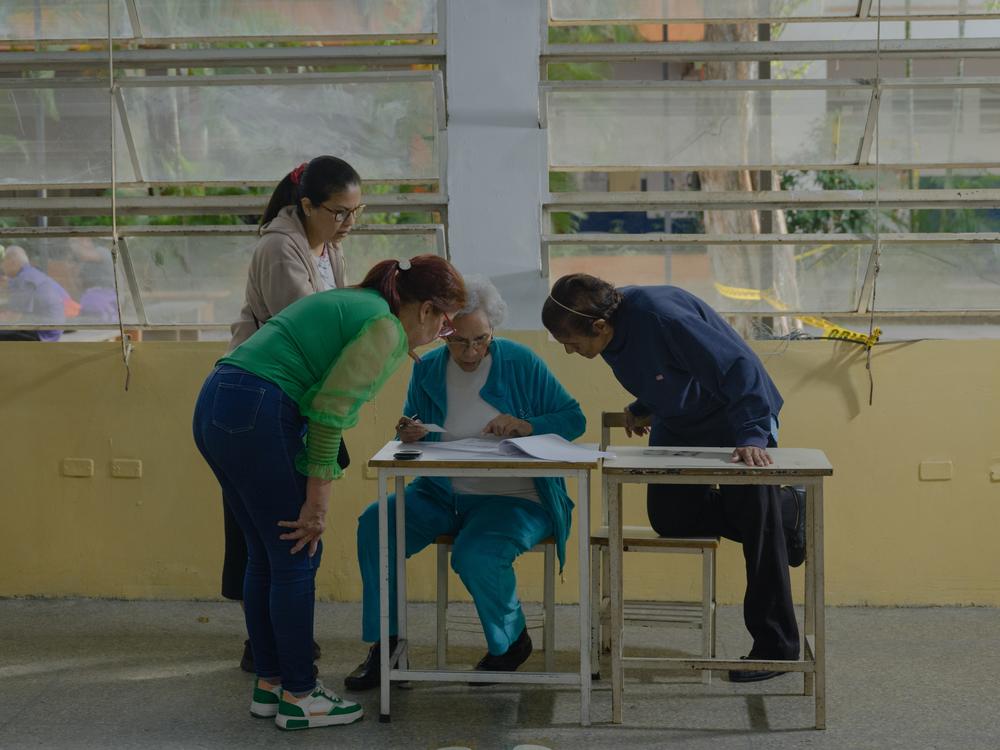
x,y
213,103
738,149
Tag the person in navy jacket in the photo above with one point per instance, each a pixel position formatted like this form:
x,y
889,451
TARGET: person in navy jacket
x,y
697,383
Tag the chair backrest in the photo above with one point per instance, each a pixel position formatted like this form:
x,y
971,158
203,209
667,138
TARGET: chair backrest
x,y
610,419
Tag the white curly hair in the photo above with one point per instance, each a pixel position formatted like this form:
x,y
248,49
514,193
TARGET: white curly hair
x,y
480,294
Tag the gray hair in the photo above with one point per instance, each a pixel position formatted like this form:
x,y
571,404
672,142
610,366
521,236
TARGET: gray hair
x,y
482,295
15,252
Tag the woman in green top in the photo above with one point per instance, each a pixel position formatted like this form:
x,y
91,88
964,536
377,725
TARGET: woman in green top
x,y
311,212
311,368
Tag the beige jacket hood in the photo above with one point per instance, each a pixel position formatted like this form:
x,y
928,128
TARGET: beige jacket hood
x,y
282,271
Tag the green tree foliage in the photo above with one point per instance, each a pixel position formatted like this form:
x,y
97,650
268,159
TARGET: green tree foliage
x,y
826,221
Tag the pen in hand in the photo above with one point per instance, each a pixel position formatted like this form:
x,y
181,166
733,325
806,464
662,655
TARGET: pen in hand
x,y
405,422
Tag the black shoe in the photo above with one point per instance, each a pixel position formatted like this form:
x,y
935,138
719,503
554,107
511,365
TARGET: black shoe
x,y
756,675
246,663
796,538
369,673
514,657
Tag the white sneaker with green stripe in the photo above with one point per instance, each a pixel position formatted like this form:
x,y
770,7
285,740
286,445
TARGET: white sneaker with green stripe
x,y
321,708
264,704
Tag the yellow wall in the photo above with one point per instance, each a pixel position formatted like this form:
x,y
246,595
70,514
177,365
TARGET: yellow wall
x,y
891,538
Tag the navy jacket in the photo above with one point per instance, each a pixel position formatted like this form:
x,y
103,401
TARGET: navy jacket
x,y
690,370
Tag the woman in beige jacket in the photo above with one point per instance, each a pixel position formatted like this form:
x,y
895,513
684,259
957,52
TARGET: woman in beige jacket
x,y
310,212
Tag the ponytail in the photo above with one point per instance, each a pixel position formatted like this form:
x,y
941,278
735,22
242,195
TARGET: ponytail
x,y
424,278
316,180
285,194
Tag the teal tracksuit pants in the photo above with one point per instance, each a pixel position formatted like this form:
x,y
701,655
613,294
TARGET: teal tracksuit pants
x,y
490,532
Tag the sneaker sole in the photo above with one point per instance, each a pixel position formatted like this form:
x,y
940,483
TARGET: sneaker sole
x,y
263,710
312,722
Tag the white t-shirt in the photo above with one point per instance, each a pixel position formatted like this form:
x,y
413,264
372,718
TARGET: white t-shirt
x,y
468,414
326,269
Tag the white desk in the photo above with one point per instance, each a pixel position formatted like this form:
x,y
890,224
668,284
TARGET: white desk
x,y
395,665
667,465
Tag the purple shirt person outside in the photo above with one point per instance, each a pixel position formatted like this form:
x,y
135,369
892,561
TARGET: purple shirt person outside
x,y
33,296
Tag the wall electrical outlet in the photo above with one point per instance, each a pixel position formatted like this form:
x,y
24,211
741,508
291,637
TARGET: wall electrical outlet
x,y
126,468
935,471
995,470
77,467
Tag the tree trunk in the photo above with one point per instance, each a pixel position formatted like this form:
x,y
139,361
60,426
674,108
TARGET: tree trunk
x,y
743,268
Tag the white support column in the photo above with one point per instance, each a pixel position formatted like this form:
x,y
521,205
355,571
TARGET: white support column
x,y
496,158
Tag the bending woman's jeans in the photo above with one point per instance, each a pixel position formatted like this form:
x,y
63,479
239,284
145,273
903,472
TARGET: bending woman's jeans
x,y
234,560
249,432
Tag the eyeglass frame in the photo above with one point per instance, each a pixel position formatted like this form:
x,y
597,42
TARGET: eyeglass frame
x,y
447,327
478,343
334,212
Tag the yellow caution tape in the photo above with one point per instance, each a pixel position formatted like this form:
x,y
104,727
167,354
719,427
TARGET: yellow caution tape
x,y
814,251
830,330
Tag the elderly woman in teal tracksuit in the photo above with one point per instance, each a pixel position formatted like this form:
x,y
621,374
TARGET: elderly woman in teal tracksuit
x,y
476,384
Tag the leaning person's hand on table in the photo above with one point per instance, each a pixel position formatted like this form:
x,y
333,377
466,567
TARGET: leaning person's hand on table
x,y
752,456
312,517
635,425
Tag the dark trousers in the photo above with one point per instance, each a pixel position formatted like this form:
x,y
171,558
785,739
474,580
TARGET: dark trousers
x,y
756,517
249,433
234,562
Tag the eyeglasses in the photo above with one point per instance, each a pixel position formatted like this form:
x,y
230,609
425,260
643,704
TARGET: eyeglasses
x,y
478,343
447,327
340,214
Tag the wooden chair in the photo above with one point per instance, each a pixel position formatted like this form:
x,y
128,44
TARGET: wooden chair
x,y
699,615
544,619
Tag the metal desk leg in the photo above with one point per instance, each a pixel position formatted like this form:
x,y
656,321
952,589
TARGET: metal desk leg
x,y
583,520
613,492
549,607
816,513
707,610
604,626
442,607
403,662
595,611
809,631
383,592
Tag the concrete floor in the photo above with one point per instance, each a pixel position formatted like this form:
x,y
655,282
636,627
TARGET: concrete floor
x,y
113,674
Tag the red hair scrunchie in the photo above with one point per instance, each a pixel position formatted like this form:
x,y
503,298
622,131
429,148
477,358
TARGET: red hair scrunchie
x,y
296,174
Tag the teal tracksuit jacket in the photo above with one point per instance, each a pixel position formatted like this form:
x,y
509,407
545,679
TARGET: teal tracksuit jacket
x,y
519,384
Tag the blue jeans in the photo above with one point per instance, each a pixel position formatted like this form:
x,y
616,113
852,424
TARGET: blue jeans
x,y
249,432
490,532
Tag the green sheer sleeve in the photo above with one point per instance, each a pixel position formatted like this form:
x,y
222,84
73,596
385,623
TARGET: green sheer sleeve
x,y
333,404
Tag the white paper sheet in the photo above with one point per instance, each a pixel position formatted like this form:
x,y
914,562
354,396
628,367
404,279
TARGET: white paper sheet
x,y
544,447
724,454
469,445
551,448
431,427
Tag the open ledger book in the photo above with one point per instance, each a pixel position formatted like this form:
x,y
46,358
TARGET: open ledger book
x,y
545,447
